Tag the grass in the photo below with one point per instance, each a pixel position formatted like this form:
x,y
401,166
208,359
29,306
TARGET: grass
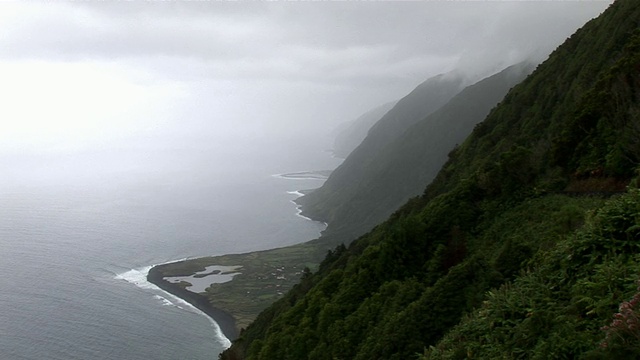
x,y
264,277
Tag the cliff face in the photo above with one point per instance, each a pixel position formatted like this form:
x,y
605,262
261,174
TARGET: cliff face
x,y
341,186
381,175
351,134
505,233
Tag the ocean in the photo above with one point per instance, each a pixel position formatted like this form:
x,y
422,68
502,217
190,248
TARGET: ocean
x,y
79,230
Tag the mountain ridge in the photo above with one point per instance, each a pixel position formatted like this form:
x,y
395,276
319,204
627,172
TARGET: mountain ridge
x,y
365,190
423,100
502,202
349,135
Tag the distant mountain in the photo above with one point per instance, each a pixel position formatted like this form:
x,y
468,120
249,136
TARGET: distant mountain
x,y
350,134
426,98
526,245
390,167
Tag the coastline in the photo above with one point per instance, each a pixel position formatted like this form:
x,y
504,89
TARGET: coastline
x,y
225,320
306,175
229,324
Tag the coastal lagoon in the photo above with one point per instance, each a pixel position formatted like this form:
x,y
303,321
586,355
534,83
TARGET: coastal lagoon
x,y
78,233
200,281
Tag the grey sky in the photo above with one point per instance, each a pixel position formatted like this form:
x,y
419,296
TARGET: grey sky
x,y
260,66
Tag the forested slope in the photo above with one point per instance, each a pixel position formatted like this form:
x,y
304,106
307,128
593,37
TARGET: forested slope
x,y
332,200
401,169
529,228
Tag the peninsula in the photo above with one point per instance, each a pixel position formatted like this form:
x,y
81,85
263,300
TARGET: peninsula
x,y
259,279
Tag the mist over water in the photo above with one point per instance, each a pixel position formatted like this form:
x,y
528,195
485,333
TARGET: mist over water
x,y
78,228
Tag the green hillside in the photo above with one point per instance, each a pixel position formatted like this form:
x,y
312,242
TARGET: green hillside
x,y
332,200
400,169
524,245
411,160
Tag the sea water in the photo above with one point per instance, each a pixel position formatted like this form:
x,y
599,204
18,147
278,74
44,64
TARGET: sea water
x,y
79,231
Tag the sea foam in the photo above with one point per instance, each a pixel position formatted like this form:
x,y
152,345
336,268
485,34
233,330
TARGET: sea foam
x,y
302,175
299,208
299,212
138,277
166,302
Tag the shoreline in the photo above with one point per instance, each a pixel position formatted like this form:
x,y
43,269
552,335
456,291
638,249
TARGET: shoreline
x,y
226,322
305,175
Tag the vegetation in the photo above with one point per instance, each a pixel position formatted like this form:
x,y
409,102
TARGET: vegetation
x,y
264,277
390,167
560,305
525,245
341,195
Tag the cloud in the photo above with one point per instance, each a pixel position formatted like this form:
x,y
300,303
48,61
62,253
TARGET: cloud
x,y
290,62
308,40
